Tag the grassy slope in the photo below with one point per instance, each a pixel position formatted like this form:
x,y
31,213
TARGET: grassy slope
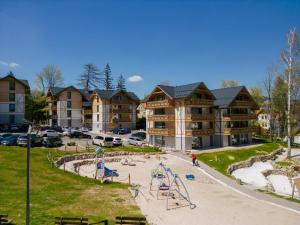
x,y
220,161
54,192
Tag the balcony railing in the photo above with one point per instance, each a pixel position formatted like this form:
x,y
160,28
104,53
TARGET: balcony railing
x,y
237,117
87,111
125,119
158,104
237,130
167,117
87,121
199,132
161,131
243,103
205,102
123,110
195,117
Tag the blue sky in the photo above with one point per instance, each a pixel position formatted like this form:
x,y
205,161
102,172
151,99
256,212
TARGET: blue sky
x,y
177,41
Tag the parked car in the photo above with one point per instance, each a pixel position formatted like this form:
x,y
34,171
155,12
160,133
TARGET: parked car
x,y
121,130
66,133
117,141
140,134
135,141
5,135
103,140
57,129
84,129
14,128
78,134
52,141
10,140
35,140
49,133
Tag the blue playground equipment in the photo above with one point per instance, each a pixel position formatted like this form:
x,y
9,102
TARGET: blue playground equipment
x,y
110,173
190,176
170,183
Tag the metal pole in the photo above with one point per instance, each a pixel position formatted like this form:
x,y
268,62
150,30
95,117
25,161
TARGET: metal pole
x,y
28,177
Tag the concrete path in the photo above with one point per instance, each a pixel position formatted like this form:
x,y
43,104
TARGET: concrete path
x,y
242,189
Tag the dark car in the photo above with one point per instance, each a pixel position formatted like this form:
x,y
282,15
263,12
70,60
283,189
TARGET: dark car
x,y
140,134
10,140
78,134
2,136
35,140
121,130
52,141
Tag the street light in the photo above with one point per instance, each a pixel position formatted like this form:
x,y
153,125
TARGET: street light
x,y
28,177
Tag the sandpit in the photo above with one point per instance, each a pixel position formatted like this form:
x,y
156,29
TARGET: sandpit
x,y
214,203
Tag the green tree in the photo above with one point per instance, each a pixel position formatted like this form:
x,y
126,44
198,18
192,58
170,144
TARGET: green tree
x,y
121,83
257,94
90,78
107,80
36,107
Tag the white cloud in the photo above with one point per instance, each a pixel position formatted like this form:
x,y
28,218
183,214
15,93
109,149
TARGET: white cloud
x,y
135,78
9,64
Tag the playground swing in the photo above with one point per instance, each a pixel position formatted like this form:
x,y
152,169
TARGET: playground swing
x,y
102,171
170,184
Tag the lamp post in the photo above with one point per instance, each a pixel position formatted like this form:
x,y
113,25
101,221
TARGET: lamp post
x,y
28,177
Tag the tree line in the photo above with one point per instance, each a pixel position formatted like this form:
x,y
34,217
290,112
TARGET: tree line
x,y
91,78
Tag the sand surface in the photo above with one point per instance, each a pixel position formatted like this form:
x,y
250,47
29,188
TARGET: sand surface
x,y
215,203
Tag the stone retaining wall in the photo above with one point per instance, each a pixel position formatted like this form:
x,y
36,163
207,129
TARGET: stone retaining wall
x,y
253,159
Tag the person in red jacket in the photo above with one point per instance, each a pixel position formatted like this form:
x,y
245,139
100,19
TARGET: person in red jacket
x,y
194,159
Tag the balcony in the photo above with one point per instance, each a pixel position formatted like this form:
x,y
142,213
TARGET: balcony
x,y
237,130
161,131
204,102
123,110
195,117
199,132
167,117
244,103
87,121
123,119
239,117
158,104
86,111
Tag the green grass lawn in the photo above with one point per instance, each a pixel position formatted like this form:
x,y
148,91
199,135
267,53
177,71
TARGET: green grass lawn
x,y
132,148
56,193
285,163
220,161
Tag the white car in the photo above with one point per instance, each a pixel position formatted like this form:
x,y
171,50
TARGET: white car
x,y
84,129
135,141
103,140
66,133
49,133
117,141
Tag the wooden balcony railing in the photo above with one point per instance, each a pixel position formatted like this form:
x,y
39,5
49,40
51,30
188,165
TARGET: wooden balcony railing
x,y
237,130
244,103
168,117
123,110
239,117
158,104
205,102
195,117
161,132
199,132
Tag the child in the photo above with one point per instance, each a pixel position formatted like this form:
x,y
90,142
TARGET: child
x,y
194,159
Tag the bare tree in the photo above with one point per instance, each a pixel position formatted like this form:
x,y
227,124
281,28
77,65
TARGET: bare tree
x,y
291,59
49,77
228,83
90,77
268,84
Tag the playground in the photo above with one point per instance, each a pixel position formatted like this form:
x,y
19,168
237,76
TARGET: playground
x,y
164,189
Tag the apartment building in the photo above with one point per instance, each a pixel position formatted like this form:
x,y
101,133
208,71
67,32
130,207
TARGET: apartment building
x,y
13,93
235,116
180,117
193,117
113,109
69,107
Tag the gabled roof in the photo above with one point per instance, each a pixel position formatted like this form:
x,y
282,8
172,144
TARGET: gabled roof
x,y
24,82
182,91
57,90
108,94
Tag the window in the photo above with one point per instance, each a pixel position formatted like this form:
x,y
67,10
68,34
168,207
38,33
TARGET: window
x,y
159,140
12,97
196,142
12,107
211,124
12,85
211,140
196,126
97,108
196,110
160,125
98,118
159,111
69,104
118,98
69,94
210,110
69,113
197,95
69,123
11,119
160,97
97,98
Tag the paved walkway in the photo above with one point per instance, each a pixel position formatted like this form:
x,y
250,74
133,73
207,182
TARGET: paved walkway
x,y
242,189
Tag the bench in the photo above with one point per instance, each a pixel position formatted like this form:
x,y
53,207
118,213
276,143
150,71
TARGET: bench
x,y
4,220
71,221
131,220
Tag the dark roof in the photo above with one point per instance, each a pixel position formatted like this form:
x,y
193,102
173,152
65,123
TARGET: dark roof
x,y
182,91
24,82
108,94
56,90
224,96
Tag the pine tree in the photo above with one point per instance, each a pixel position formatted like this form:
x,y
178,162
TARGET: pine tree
x,y
107,80
121,83
90,77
